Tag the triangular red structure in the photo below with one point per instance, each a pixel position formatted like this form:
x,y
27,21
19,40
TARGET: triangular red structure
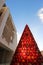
x,y
27,52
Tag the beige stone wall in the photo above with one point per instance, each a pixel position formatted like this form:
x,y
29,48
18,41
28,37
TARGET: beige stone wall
x,y
8,37
42,53
8,33
1,3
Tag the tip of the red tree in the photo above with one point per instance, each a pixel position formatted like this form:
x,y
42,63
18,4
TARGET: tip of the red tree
x,y
26,25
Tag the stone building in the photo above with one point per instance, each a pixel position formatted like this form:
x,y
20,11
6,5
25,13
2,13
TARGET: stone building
x,y
42,53
8,35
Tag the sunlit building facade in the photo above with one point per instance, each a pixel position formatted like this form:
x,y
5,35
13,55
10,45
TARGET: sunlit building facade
x,y
42,53
8,35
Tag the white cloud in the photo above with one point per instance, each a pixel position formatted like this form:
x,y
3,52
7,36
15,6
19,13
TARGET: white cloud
x,y
40,14
18,37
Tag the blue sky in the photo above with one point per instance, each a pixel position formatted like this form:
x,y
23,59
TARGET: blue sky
x,y
28,12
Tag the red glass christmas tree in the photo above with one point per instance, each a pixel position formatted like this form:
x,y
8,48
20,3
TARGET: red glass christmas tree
x,y
27,52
